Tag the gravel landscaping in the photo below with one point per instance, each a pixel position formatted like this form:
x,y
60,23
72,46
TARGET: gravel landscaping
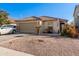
x,y
44,45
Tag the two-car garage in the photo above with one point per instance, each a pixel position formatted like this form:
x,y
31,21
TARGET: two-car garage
x,y
27,27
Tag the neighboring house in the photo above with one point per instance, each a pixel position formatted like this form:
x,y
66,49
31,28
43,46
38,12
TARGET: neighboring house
x,y
76,16
43,24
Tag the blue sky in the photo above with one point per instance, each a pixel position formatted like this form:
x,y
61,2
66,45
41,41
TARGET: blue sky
x,y
22,10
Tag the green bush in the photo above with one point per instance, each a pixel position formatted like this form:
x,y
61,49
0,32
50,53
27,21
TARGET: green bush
x,y
64,33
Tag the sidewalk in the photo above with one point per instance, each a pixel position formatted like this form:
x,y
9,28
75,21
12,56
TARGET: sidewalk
x,y
10,52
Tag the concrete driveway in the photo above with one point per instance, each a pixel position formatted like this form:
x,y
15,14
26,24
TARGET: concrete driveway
x,y
11,36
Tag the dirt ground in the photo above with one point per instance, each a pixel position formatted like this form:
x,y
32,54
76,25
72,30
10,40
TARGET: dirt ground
x,y
44,45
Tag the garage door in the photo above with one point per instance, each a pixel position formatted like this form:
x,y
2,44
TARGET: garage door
x,y
27,27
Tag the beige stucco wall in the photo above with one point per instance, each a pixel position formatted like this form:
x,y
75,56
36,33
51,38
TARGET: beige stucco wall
x,y
54,24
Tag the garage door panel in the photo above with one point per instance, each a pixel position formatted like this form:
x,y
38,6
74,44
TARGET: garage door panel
x,y
27,27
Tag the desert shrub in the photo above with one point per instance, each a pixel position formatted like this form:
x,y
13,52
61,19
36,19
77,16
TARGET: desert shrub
x,y
70,31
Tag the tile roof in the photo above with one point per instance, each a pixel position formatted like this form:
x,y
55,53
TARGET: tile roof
x,y
40,18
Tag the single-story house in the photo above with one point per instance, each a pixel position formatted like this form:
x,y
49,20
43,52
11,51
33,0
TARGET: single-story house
x,y
43,24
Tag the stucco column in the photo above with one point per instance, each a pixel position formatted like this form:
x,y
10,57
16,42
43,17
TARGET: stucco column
x,y
58,26
38,26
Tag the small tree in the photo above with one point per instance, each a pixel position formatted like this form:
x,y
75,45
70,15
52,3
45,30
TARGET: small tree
x,y
3,17
7,22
